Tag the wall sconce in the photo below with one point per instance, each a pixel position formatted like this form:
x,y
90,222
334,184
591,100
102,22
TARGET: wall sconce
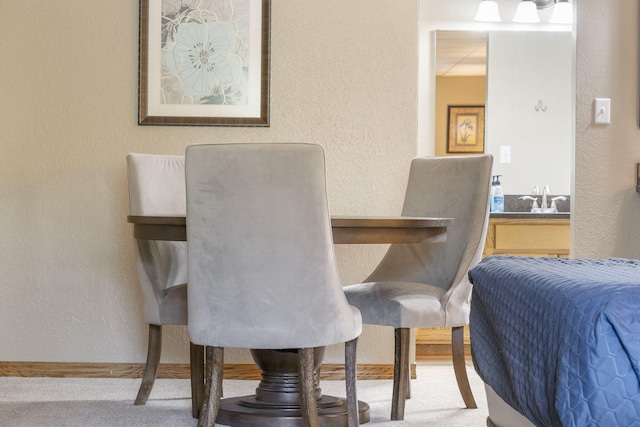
x,y
638,177
527,11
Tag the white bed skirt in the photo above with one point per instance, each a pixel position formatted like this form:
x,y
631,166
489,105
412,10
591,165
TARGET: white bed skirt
x,y
501,414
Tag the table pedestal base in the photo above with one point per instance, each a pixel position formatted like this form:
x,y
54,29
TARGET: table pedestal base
x,y
248,411
276,402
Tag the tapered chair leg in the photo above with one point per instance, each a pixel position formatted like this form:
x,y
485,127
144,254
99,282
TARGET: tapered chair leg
x,y
351,376
308,404
154,347
460,367
400,373
408,394
212,387
197,378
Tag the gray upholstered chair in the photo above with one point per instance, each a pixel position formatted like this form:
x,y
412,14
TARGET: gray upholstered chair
x,y
262,269
426,285
157,186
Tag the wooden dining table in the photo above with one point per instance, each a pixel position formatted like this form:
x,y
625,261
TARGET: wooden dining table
x,y
346,229
276,402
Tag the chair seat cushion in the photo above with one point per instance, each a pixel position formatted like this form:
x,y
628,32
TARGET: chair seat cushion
x,y
398,304
173,310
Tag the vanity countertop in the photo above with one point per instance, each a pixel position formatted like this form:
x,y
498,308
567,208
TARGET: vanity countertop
x,y
529,215
516,208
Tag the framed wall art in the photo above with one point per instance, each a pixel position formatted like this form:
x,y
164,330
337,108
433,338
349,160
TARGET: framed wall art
x,y
465,129
204,62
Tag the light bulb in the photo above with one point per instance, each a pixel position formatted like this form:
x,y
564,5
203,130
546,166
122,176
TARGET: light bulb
x,y
527,12
562,13
488,12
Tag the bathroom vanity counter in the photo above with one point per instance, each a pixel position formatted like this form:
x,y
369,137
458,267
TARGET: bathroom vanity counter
x,y
529,215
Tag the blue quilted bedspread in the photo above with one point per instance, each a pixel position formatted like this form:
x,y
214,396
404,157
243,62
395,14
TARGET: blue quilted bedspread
x,y
559,339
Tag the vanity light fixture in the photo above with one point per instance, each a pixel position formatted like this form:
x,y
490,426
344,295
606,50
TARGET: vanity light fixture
x,y
562,13
527,12
488,11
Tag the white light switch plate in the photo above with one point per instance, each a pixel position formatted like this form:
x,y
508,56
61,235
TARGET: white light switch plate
x,y
505,154
602,111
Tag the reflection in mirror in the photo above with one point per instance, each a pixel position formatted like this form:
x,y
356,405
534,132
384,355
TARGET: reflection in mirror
x,y
461,70
527,91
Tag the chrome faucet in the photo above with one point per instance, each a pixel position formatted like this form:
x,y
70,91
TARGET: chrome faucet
x,y
534,205
546,191
544,202
553,202
535,191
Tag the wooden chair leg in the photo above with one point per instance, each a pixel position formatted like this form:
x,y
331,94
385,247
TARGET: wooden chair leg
x,y
212,387
306,386
408,394
197,378
154,347
351,376
400,373
460,367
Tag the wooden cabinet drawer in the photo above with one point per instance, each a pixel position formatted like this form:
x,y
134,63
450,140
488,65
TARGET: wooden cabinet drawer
x,y
537,238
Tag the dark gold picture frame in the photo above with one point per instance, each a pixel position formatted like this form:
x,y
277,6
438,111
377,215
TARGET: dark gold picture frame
x,y
204,63
465,129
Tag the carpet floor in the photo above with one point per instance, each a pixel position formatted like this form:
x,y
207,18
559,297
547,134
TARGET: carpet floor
x,y
74,402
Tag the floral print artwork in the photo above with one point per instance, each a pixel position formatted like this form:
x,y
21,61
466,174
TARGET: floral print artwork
x,y
204,52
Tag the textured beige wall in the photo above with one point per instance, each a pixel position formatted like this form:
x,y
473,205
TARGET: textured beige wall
x,y
606,211
343,75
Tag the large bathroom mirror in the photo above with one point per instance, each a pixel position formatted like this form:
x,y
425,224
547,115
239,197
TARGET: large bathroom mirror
x,y
524,80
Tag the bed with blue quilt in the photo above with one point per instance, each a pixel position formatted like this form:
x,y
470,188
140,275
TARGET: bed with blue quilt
x,y
558,340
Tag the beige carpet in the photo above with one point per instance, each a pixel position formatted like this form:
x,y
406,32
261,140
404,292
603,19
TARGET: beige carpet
x,y
40,402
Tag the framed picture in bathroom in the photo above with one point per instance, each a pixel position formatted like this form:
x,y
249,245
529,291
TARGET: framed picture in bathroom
x,y
465,129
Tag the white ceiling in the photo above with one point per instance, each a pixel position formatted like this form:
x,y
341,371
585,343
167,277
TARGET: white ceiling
x,y
461,53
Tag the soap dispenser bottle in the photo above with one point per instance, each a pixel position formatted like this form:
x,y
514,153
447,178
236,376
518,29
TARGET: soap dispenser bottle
x,y
497,195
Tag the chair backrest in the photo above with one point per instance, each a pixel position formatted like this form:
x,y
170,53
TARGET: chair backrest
x,y
457,187
262,270
157,186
